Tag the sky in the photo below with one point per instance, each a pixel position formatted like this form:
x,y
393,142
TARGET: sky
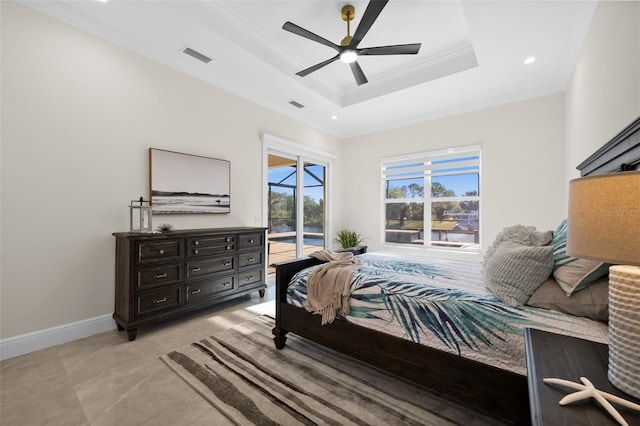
x,y
317,193
174,171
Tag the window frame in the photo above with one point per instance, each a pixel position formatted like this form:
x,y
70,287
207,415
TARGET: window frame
x,y
424,169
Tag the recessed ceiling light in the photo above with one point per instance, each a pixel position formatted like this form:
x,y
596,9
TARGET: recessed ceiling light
x,y
334,117
529,60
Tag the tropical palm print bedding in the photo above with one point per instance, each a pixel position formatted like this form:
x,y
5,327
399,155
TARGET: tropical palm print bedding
x,y
443,303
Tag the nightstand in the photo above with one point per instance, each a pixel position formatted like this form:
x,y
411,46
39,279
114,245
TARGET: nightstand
x,y
569,358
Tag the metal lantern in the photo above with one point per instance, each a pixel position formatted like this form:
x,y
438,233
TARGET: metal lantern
x,y
140,215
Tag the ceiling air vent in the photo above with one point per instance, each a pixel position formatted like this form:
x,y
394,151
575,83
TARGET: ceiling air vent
x,y
199,56
296,104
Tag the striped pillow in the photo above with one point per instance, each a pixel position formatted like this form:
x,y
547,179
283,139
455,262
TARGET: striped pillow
x,y
515,271
571,273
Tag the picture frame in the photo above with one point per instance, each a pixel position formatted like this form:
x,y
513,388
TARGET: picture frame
x,y
181,183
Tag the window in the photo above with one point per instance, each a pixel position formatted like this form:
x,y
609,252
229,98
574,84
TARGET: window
x,y
451,218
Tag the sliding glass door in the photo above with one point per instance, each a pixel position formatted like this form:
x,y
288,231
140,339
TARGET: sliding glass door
x,y
313,214
295,207
282,209
296,202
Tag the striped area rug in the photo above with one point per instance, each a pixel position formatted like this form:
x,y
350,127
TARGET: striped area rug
x,y
242,374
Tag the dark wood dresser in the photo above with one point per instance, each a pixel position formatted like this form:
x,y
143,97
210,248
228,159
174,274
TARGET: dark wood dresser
x,y
161,275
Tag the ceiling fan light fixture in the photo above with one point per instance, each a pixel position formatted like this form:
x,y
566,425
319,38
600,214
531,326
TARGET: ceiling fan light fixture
x,y
348,50
348,56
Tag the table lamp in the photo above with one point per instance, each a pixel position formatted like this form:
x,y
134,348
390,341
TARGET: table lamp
x,y
604,225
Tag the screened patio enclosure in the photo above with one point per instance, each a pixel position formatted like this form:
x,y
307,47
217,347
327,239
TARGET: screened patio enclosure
x,y
287,215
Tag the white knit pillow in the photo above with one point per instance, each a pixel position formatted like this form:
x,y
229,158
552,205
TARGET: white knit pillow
x,y
515,271
525,235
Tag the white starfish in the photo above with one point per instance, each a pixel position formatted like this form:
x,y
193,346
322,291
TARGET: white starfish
x,y
587,390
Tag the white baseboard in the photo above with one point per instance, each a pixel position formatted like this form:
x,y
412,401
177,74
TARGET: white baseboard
x,y
30,342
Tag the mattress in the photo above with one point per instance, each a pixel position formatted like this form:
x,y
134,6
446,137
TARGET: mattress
x,y
443,303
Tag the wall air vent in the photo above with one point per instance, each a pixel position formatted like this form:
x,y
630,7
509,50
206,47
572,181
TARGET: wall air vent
x,y
199,56
296,104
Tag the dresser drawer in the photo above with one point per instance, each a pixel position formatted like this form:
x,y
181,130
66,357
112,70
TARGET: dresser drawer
x,y
202,290
253,276
161,275
253,258
246,241
211,245
153,301
204,267
159,251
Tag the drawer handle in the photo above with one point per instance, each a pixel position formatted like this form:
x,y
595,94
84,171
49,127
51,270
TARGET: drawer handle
x,y
195,291
161,251
226,264
226,284
250,278
160,276
195,269
229,247
195,251
251,241
164,299
229,239
251,259
197,242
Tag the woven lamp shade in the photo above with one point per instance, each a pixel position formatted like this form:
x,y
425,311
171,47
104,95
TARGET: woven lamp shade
x,y
604,225
604,218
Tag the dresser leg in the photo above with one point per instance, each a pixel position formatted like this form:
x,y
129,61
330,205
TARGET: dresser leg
x,y
120,328
131,334
261,293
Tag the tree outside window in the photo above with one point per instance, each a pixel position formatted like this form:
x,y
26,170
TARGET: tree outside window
x,y
452,219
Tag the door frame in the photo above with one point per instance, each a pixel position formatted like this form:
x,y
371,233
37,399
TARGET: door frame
x,y
284,148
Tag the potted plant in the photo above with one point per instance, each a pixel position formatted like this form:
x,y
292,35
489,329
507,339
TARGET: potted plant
x,y
347,239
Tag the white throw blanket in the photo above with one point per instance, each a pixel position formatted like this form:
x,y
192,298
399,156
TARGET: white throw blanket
x,y
328,287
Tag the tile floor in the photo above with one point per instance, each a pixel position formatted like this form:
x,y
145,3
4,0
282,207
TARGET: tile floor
x,y
106,380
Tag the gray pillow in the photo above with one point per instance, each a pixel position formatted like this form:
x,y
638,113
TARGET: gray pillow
x,y
591,302
525,235
515,271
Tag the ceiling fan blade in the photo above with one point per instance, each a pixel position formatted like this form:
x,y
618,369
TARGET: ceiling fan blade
x,y
293,28
368,18
317,66
399,49
357,73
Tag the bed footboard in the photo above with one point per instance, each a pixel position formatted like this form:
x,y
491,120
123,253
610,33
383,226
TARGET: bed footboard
x,y
284,273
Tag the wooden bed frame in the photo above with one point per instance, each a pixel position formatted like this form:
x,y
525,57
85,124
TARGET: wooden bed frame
x,y
485,388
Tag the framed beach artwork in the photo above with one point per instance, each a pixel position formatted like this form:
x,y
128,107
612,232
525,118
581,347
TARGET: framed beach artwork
x,y
185,184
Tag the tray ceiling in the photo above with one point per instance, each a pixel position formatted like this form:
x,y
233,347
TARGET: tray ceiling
x,y
471,56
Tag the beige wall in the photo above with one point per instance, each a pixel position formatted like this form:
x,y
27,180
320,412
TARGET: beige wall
x,y
529,149
78,115
522,165
603,95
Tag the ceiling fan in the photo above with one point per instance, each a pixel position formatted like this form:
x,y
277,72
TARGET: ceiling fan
x,y
348,50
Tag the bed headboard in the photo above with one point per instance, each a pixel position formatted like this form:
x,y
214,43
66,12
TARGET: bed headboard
x,y
619,154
